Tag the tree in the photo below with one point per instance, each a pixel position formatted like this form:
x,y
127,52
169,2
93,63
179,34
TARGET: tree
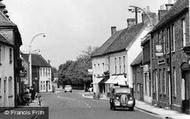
x,y
77,71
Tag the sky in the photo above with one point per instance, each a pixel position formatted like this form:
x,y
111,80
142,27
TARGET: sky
x,y
71,26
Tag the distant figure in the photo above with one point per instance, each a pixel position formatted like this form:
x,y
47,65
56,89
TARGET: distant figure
x,y
33,93
27,96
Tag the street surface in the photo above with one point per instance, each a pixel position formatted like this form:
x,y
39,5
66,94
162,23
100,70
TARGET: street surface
x,y
75,106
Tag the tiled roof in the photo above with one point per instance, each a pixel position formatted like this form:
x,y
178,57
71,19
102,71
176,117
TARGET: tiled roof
x,y
178,7
100,51
124,40
4,40
4,21
138,59
37,60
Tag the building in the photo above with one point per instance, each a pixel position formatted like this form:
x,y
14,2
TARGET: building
x,y
170,59
138,82
7,73
100,63
10,62
147,80
117,54
41,73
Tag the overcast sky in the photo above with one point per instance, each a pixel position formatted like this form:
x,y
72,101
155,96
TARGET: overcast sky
x,y
70,25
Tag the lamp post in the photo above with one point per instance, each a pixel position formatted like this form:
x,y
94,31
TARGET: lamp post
x,y
30,56
137,10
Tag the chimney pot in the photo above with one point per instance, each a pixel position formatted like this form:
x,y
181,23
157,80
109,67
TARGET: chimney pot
x,y
168,6
131,22
113,29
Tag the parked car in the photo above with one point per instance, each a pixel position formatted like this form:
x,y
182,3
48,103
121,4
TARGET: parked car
x,y
121,97
68,88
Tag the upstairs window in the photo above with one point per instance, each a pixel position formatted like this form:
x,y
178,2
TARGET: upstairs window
x,y
123,64
103,67
0,55
184,32
10,55
120,65
115,65
173,38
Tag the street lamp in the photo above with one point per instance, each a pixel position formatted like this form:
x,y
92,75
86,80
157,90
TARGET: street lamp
x,y
30,56
136,10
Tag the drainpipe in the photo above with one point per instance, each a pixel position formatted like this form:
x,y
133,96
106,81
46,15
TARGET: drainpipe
x,y
170,57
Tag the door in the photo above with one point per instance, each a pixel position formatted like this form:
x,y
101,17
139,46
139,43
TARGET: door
x,y
186,101
5,92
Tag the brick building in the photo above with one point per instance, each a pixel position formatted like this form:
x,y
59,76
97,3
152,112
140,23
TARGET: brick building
x,y
138,77
170,64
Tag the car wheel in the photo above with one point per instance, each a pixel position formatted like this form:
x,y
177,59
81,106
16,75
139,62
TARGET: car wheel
x,y
131,108
113,107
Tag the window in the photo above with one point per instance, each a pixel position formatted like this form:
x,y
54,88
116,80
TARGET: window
x,y
175,81
164,81
0,54
103,67
123,64
10,88
184,32
10,56
173,38
150,93
0,86
94,67
145,82
168,40
115,65
154,81
120,65
160,80
164,42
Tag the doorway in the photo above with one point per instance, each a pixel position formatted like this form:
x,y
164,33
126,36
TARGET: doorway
x,y
5,92
185,92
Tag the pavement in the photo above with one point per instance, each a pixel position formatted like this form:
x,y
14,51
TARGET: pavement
x,y
161,112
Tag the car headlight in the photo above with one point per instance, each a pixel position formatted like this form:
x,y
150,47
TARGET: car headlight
x,y
130,102
130,98
117,98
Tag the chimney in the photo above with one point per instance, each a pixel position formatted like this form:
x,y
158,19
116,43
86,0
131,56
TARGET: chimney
x,y
161,13
152,16
48,61
113,29
131,22
169,4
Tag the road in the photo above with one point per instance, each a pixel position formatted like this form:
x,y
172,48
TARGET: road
x,y
74,106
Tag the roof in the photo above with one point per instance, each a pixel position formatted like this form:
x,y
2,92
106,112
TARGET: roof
x,y
101,50
138,60
120,40
127,37
4,40
176,10
4,21
37,60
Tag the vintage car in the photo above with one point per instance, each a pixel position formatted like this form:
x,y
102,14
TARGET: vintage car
x,y
68,88
121,97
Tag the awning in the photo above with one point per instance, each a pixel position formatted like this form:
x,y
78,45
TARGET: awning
x,y
111,80
97,80
120,80
103,80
